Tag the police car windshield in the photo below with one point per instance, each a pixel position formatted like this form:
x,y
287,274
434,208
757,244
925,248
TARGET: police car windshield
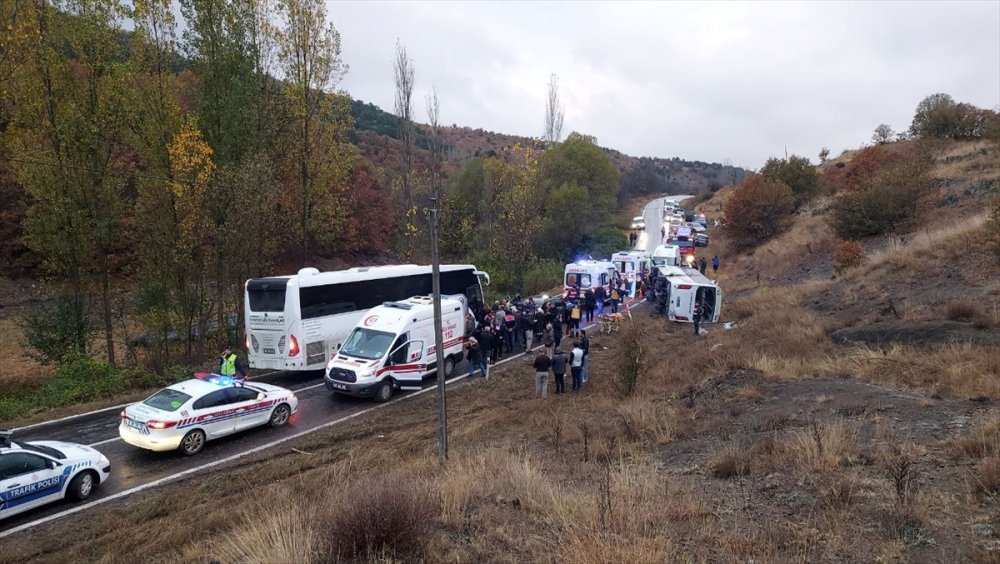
x,y
167,399
367,344
43,450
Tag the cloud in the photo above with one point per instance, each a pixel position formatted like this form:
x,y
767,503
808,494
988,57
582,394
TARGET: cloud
x,y
704,81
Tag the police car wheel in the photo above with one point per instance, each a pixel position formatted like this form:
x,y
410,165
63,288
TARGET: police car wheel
x,y
193,442
280,416
384,391
449,367
82,486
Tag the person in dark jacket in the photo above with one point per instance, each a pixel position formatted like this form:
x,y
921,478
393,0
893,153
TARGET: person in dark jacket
x,y
486,340
539,324
702,265
559,363
557,326
696,317
599,296
715,264
509,328
542,365
476,359
589,304
585,345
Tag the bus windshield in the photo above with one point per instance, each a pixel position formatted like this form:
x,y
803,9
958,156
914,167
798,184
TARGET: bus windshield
x,y
367,344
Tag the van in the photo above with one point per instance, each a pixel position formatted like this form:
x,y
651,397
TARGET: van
x,y
588,274
666,255
631,265
392,347
687,287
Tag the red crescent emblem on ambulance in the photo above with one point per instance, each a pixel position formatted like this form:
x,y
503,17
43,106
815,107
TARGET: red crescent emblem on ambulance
x,y
370,320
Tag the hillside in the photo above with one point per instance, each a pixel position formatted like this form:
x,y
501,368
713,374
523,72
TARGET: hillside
x,y
377,135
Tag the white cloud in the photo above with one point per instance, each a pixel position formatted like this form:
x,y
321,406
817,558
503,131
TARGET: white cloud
x,y
700,81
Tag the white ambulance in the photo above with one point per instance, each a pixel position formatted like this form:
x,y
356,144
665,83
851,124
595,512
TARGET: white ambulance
x,y
588,274
392,347
666,255
631,265
688,287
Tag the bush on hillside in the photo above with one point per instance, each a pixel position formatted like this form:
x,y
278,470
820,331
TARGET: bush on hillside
x,y
886,201
866,163
58,332
797,173
938,115
758,209
542,275
848,254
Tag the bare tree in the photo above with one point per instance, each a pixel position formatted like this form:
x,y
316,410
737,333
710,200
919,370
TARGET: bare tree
x,y
434,118
554,112
824,154
403,74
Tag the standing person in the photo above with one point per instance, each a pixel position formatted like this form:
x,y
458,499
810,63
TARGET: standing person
x,y
498,335
715,264
486,339
599,296
574,319
476,358
576,366
539,324
230,365
557,326
702,265
542,365
588,304
696,317
614,299
559,362
509,324
585,345
549,337
528,327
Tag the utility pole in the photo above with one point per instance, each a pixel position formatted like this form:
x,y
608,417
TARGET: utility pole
x,y
438,340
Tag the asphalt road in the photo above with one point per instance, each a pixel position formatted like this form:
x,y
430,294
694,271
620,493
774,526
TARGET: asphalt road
x,y
653,213
132,467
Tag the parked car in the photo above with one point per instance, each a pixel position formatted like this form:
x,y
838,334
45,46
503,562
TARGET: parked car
x,y
701,240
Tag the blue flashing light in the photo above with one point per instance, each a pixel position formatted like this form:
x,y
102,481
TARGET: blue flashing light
x,y
217,379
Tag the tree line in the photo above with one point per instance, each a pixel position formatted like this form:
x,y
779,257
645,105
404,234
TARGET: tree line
x,y
147,172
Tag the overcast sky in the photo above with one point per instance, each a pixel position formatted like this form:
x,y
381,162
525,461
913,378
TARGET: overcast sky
x,y
705,81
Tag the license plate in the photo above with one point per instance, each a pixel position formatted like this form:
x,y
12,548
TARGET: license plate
x,y
268,351
339,386
137,425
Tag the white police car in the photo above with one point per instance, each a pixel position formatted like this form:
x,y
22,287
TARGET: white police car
x,y
187,414
39,472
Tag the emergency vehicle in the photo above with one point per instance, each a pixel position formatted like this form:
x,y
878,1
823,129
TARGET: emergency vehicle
x,y
186,415
666,255
392,347
39,472
687,287
631,265
588,274
685,246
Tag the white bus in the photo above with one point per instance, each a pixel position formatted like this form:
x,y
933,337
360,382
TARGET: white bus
x,y
298,322
687,287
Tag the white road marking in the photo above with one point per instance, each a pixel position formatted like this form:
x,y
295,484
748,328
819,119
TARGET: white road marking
x,y
189,471
102,410
114,439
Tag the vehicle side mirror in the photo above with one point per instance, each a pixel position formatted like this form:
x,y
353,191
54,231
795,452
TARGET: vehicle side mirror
x,y
260,395
51,464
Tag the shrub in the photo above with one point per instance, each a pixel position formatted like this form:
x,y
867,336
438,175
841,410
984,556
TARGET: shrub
x,y
542,275
58,332
865,163
758,209
988,476
797,173
732,461
963,312
83,379
993,226
382,517
848,254
633,363
886,201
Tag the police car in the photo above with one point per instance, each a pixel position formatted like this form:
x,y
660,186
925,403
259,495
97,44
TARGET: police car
x,y
39,472
186,415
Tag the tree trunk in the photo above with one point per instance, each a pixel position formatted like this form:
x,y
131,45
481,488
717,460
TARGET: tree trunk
x,y
109,340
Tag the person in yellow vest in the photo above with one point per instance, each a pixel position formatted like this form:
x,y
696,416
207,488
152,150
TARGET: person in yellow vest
x,y
230,365
574,316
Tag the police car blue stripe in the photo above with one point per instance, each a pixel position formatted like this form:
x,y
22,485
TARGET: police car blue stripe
x,y
31,492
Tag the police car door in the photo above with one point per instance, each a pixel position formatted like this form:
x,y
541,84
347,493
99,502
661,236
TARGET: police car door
x,y
249,411
27,480
214,413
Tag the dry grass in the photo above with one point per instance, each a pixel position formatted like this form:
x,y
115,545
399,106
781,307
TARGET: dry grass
x,y
823,446
17,368
273,532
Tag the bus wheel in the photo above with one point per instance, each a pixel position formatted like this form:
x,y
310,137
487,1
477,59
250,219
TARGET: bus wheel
x,y
449,366
384,391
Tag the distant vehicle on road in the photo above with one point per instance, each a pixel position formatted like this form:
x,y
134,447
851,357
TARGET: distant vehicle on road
x,y
701,240
39,472
186,415
393,347
299,322
638,223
